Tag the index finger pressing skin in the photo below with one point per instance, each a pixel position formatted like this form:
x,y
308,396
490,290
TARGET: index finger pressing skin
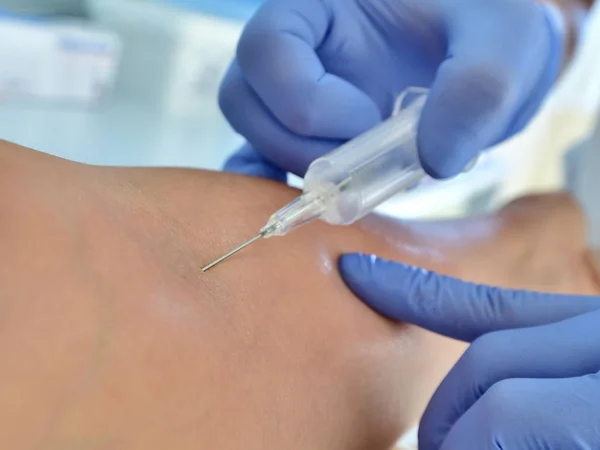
x,y
449,306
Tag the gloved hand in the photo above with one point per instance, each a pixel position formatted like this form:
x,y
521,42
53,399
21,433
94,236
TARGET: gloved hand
x,y
530,379
311,74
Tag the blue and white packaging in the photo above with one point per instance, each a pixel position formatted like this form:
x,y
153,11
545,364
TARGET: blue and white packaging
x,y
56,62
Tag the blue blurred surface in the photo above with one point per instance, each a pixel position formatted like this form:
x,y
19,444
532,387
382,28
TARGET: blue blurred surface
x,y
232,9
9,15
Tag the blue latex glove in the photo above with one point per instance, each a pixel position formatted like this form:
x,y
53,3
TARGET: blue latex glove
x,y
311,74
529,380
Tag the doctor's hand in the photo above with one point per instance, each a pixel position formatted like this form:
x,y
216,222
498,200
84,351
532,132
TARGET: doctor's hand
x,y
530,379
311,74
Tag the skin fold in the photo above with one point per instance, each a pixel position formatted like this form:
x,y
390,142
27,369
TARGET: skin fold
x,y
112,337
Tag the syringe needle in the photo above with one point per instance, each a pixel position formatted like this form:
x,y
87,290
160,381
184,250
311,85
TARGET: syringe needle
x,y
233,252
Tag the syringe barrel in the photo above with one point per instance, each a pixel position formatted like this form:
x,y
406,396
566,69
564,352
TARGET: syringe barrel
x,y
371,168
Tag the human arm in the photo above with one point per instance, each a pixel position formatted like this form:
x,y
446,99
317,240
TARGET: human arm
x,y
113,338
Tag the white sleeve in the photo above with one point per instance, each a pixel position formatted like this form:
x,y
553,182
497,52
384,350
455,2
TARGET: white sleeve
x,y
583,181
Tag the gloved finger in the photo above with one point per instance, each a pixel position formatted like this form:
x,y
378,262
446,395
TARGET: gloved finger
x,y
278,59
248,116
247,161
564,349
449,306
530,414
479,90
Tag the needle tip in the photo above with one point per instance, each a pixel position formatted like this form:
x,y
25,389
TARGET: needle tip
x,y
232,252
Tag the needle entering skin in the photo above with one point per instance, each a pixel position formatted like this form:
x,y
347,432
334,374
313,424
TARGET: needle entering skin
x,y
233,252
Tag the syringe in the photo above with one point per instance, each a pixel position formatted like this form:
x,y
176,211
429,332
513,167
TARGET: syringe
x,y
351,181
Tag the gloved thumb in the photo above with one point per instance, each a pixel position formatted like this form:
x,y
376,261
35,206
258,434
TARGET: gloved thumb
x,y
449,306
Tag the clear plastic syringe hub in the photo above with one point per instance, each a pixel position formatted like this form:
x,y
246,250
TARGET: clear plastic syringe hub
x,y
348,183
374,167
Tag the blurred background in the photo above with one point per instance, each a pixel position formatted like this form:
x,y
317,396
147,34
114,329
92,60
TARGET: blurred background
x,y
134,83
